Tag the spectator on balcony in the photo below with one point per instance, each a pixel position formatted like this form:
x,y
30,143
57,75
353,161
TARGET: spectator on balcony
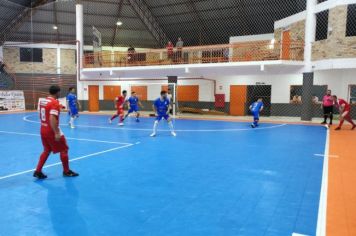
x,y
131,54
170,48
179,46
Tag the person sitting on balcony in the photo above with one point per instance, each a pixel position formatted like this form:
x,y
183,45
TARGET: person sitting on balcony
x,y
131,54
179,46
170,47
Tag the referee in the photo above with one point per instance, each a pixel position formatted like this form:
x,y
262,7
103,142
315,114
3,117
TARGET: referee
x,y
328,107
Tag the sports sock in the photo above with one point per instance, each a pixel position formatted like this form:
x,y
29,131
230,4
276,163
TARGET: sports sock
x,y
170,124
42,160
65,161
155,126
113,117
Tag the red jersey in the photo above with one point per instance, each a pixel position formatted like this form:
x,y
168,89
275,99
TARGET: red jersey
x,y
48,106
343,102
170,48
120,100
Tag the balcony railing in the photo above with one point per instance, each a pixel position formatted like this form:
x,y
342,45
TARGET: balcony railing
x,y
238,52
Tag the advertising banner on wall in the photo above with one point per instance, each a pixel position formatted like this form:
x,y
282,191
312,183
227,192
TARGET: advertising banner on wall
x,y
13,100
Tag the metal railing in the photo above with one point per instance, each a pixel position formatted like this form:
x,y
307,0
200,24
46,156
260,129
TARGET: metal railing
x,y
237,52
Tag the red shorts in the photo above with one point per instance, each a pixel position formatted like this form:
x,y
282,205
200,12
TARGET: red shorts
x,y
120,111
51,145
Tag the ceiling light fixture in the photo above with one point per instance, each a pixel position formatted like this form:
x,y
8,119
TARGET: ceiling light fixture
x,y
55,27
119,23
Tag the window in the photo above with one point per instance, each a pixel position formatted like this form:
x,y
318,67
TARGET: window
x,y
320,1
351,20
31,55
353,94
322,20
296,91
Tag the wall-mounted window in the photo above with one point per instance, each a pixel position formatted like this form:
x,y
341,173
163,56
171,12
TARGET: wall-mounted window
x,y
318,92
322,22
352,89
31,55
351,20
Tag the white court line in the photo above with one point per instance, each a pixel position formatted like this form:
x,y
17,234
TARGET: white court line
x,y
323,155
71,160
178,130
295,234
69,138
321,224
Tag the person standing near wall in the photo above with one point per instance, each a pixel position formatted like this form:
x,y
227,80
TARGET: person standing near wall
x,y
328,107
170,48
179,46
131,54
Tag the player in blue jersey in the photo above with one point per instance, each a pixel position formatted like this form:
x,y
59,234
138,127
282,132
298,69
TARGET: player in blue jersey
x,y
133,105
73,106
255,109
161,108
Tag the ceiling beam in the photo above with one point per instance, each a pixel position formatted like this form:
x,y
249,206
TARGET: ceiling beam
x,y
150,21
16,22
116,28
202,27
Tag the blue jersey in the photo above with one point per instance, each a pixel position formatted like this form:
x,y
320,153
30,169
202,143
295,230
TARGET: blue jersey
x,y
161,106
133,101
256,107
72,100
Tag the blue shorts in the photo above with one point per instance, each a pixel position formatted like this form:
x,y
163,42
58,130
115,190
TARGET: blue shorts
x,y
256,115
160,116
73,111
133,109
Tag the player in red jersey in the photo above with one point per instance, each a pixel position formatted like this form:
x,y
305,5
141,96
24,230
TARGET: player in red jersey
x,y
344,108
52,137
119,105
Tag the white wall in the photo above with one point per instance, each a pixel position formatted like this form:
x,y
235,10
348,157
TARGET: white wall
x,y
280,84
336,80
206,88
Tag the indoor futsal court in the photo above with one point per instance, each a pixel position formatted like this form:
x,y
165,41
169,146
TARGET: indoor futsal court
x,y
177,117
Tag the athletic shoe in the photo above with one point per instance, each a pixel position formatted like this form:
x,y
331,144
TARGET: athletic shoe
x,y
353,127
72,126
110,121
121,124
323,123
253,126
153,135
137,120
173,134
337,128
70,174
39,175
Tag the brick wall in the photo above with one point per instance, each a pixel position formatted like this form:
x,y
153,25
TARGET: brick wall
x,y
68,63
12,59
48,66
336,45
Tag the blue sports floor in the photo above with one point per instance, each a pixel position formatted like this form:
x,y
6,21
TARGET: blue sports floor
x,y
215,178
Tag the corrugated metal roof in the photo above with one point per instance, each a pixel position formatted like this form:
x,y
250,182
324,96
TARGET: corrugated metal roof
x,y
196,21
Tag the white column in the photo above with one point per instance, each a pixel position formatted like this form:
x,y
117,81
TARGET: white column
x,y
80,38
1,53
310,27
58,60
